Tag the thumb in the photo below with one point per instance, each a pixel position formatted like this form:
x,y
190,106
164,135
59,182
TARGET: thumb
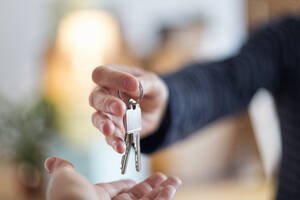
x,y
53,164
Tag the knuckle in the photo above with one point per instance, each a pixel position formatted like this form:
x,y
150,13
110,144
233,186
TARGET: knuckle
x,y
94,98
125,83
98,121
99,100
106,101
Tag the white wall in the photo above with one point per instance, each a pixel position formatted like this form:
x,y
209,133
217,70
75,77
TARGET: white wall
x,y
23,26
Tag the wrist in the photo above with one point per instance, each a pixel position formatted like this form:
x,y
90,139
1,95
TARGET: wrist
x,y
163,100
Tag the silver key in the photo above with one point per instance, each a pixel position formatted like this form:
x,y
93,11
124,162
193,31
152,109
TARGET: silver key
x,y
132,138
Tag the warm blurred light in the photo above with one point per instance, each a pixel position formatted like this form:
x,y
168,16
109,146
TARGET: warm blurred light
x,y
88,37
85,39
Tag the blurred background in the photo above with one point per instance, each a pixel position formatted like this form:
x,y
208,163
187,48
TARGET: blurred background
x,y
48,49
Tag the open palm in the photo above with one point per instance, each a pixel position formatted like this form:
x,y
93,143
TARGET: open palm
x,y
66,183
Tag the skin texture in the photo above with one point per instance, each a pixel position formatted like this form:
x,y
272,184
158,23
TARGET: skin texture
x,y
65,183
110,109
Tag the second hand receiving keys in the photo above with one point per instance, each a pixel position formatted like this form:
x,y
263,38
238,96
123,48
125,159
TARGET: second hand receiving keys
x,y
133,127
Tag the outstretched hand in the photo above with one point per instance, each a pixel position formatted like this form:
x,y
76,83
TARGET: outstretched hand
x,y
66,183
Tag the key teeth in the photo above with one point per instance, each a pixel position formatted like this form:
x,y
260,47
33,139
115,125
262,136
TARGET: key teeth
x,y
122,161
123,165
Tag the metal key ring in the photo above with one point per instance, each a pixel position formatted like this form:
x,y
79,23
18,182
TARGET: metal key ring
x,y
140,97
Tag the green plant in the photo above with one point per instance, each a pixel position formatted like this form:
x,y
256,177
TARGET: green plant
x,y
25,129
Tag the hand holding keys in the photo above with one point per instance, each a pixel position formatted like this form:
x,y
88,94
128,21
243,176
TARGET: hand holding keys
x,y
133,127
111,111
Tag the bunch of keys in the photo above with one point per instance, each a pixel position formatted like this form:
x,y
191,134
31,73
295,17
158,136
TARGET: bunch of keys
x,y
133,119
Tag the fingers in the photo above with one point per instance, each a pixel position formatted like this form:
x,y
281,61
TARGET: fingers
x,y
166,193
126,79
111,125
161,193
173,181
147,186
156,187
102,101
116,187
108,124
116,143
156,179
115,79
53,164
113,129
103,123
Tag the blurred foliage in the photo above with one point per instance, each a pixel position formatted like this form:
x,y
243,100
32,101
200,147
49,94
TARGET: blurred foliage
x,y
25,130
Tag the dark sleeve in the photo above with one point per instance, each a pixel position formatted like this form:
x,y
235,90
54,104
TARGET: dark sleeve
x,y
202,93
